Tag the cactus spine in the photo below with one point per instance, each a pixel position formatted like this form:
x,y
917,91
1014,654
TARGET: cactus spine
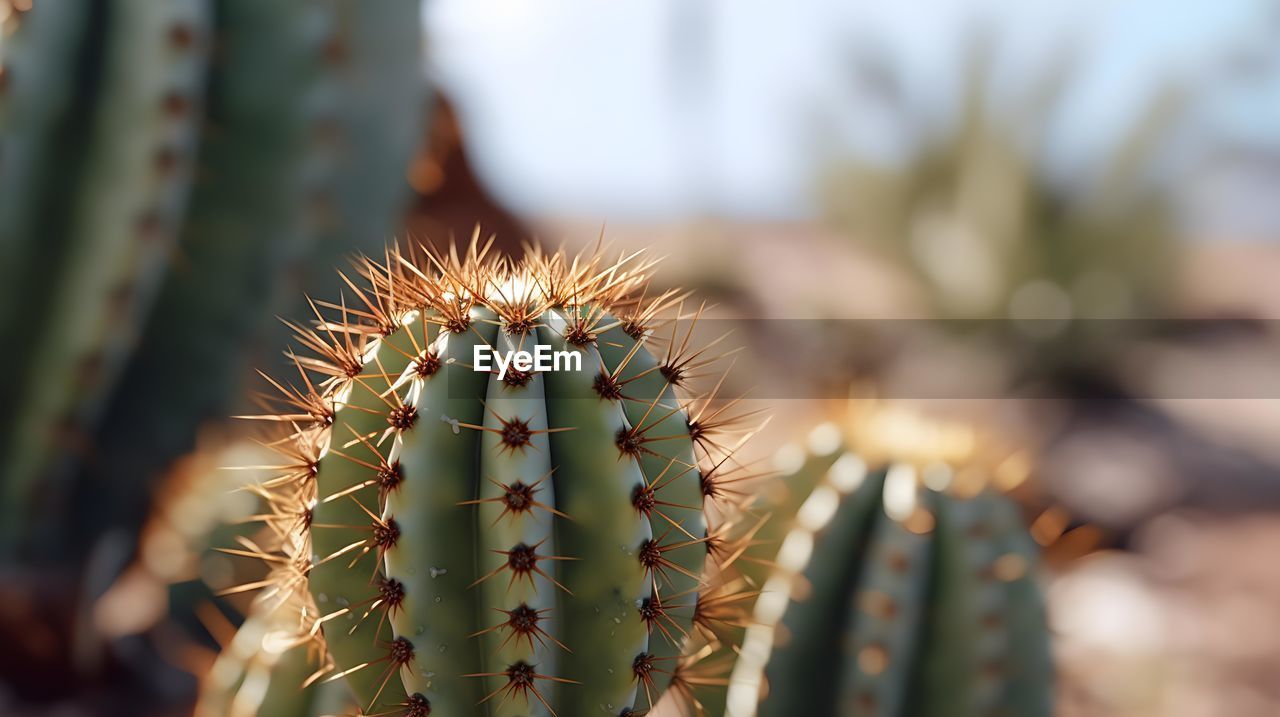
x,y
527,545
902,587
267,670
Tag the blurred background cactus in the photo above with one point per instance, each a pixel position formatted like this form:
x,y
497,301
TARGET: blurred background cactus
x,y
176,175
267,670
901,579
231,149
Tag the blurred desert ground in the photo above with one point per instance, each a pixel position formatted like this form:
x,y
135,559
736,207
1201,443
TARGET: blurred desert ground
x,y
708,133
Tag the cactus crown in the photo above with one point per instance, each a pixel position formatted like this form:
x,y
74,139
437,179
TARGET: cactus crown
x,y
530,543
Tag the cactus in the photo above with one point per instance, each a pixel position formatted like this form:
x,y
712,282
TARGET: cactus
x,y
43,121
213,157
131,188
266,670
905,585
517,542
314,112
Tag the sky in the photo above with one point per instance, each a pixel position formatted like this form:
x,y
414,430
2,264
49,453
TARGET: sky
x,y
667,109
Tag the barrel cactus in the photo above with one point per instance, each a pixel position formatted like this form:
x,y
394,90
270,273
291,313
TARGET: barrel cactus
x,y
904,586
476,536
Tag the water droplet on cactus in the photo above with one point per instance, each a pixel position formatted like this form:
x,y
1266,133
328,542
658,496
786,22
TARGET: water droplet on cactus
x,y
436,572
443,648
453,423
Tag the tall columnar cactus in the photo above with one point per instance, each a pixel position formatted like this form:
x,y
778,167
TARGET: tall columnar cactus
x,y
979,189
314,111
42,61
130,190
518,540
902,587
175,174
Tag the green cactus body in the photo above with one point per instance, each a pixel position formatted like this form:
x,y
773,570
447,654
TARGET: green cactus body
x,y
759,534
265,141
607,532
367,117
264,671
791,680
525,545
500,528
670,463
313,112
1024,659
243,220
43,125
130,196
800,470
893,599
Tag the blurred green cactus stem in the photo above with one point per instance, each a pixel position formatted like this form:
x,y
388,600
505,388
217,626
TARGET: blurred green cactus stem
x,y
979,218
176,174
904,585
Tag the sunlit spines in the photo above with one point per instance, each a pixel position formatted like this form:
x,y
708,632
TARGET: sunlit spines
x,y
386,459
274,665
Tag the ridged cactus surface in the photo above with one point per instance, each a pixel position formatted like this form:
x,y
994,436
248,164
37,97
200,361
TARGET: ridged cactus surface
x,y
478,541
900,588
43,125
128,195
175,175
